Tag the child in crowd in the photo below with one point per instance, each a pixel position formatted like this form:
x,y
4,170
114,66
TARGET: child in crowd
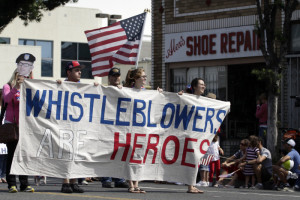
x,y
252,152
204,171
215,165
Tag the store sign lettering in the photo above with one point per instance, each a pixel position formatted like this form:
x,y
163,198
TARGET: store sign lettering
x,y
212,44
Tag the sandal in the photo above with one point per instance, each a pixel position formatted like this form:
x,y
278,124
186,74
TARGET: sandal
x,y
139,190
195,191
132,190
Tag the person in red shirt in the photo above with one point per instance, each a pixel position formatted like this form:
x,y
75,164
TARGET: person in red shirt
x,y
262,116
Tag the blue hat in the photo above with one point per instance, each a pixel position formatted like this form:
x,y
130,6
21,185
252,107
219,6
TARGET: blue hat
x,y
25,57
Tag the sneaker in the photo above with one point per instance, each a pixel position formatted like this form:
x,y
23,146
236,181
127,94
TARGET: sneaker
x,y
291,175
216,185
199,183
107,185
206,184
28,189
13,189
84,182
66,188
122,185
297,188
210,184
75,188
259,186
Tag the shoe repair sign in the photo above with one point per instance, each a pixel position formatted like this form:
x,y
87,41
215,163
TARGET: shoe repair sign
x,y
74,130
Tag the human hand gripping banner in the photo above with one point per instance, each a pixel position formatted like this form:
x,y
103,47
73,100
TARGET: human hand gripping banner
x,y
74,130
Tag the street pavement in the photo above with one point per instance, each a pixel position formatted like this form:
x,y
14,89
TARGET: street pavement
x,y
154,192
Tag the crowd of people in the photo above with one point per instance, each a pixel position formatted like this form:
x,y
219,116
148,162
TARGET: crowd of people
x,y
252,163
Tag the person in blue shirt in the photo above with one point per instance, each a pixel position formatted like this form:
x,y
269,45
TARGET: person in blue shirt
x,y
292,154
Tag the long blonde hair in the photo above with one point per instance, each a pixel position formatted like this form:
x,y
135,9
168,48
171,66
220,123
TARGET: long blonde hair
x,y
14,77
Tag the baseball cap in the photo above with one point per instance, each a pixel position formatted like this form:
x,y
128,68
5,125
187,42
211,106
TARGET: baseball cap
x,y
291,142
25,57
114,71
73,64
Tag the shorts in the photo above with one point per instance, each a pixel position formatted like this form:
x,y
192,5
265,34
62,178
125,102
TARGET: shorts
x,y
204,168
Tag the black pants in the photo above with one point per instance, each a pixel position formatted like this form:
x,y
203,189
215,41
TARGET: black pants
x,y
11,179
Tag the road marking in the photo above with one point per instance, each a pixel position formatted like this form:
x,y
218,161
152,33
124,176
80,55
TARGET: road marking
x,y
286,194
83,196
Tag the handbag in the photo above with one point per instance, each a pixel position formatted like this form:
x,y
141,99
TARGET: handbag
x,y
9,132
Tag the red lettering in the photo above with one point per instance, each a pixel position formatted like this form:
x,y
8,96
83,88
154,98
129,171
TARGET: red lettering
x,y
253,40
201,146
176,152
247,41
257,42
152,146
117,144
204,44
189,46
239,40
185,150
224,41
212,43
231,42
197,43
135,146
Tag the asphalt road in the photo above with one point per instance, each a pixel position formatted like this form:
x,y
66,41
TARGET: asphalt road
x,y
154,192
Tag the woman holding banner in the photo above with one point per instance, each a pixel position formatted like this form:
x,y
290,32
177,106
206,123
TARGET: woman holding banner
x,y
197,87
136,79
11,96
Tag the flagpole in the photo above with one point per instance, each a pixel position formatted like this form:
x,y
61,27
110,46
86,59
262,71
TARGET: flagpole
x,y
142,34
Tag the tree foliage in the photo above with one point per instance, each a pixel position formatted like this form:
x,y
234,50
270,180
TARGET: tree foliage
x,y
27,10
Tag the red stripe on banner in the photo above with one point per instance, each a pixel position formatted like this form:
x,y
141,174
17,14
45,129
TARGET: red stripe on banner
x,y
115,48
123,61
122,53
116,39
105,34
97,29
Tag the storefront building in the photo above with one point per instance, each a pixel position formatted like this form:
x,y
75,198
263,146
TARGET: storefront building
x,y
216,41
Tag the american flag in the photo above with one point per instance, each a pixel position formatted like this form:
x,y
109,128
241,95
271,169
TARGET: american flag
x,y
205,160
117,43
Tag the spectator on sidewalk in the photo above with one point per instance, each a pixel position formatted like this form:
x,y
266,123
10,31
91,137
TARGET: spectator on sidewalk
x,y
214,165
231,165
283,174
262,116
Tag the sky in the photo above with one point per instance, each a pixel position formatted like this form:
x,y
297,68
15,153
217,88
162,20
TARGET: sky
x,y
126,8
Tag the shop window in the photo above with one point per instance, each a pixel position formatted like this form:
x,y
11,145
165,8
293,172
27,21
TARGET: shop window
x,y
47,55
76,51
295,38
215,79
4,40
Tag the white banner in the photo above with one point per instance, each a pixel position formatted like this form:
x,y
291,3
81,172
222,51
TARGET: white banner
x,y
77,130
235,42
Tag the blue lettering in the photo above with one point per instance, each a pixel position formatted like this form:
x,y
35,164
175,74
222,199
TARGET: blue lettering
x,y
57,103
104,121
137,110
73,103
183,116
149,116
66,105
92,98
35,102
218,117
119,110
164,113
197,116
209,119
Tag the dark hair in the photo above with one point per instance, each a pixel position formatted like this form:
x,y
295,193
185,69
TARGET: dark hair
x,y
253,141
260,140
194,83
246,141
